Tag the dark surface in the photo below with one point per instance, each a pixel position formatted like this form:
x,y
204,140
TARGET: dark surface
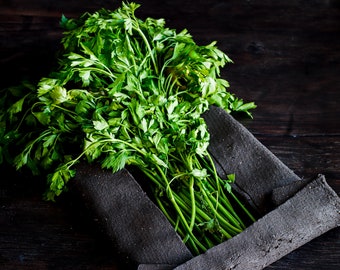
x,y
286,58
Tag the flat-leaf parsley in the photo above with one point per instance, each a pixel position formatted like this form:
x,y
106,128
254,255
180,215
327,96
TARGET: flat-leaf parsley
x,y
130,92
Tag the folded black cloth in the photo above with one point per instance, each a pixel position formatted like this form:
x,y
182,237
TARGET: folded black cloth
x,y
134,223
235,150
291,212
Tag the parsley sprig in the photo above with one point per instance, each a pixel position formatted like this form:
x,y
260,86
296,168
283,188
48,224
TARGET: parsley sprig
x,y
130,92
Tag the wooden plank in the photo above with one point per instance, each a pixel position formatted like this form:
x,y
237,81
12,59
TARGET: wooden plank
x,y
286,58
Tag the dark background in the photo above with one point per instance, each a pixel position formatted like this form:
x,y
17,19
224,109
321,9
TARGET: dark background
x,y
286,58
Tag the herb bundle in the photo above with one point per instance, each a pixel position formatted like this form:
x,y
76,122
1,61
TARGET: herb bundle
x,y
130,92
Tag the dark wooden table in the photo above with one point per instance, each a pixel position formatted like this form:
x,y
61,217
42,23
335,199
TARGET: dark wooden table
x,y
286,58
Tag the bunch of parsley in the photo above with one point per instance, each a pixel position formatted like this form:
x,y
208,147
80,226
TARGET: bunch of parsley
x,y
130,92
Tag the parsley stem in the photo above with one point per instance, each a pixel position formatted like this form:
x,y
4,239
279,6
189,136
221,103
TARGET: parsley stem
x,y
151,54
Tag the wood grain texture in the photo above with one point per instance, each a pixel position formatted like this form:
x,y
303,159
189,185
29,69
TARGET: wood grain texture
x,y
286,58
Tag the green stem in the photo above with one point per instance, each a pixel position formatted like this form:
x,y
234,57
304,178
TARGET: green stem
x,y
193,203
148,47
172,198
98,70
221,219
201,218
226,202
252,218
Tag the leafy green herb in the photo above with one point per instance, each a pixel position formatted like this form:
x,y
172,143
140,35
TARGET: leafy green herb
x,y
130,92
